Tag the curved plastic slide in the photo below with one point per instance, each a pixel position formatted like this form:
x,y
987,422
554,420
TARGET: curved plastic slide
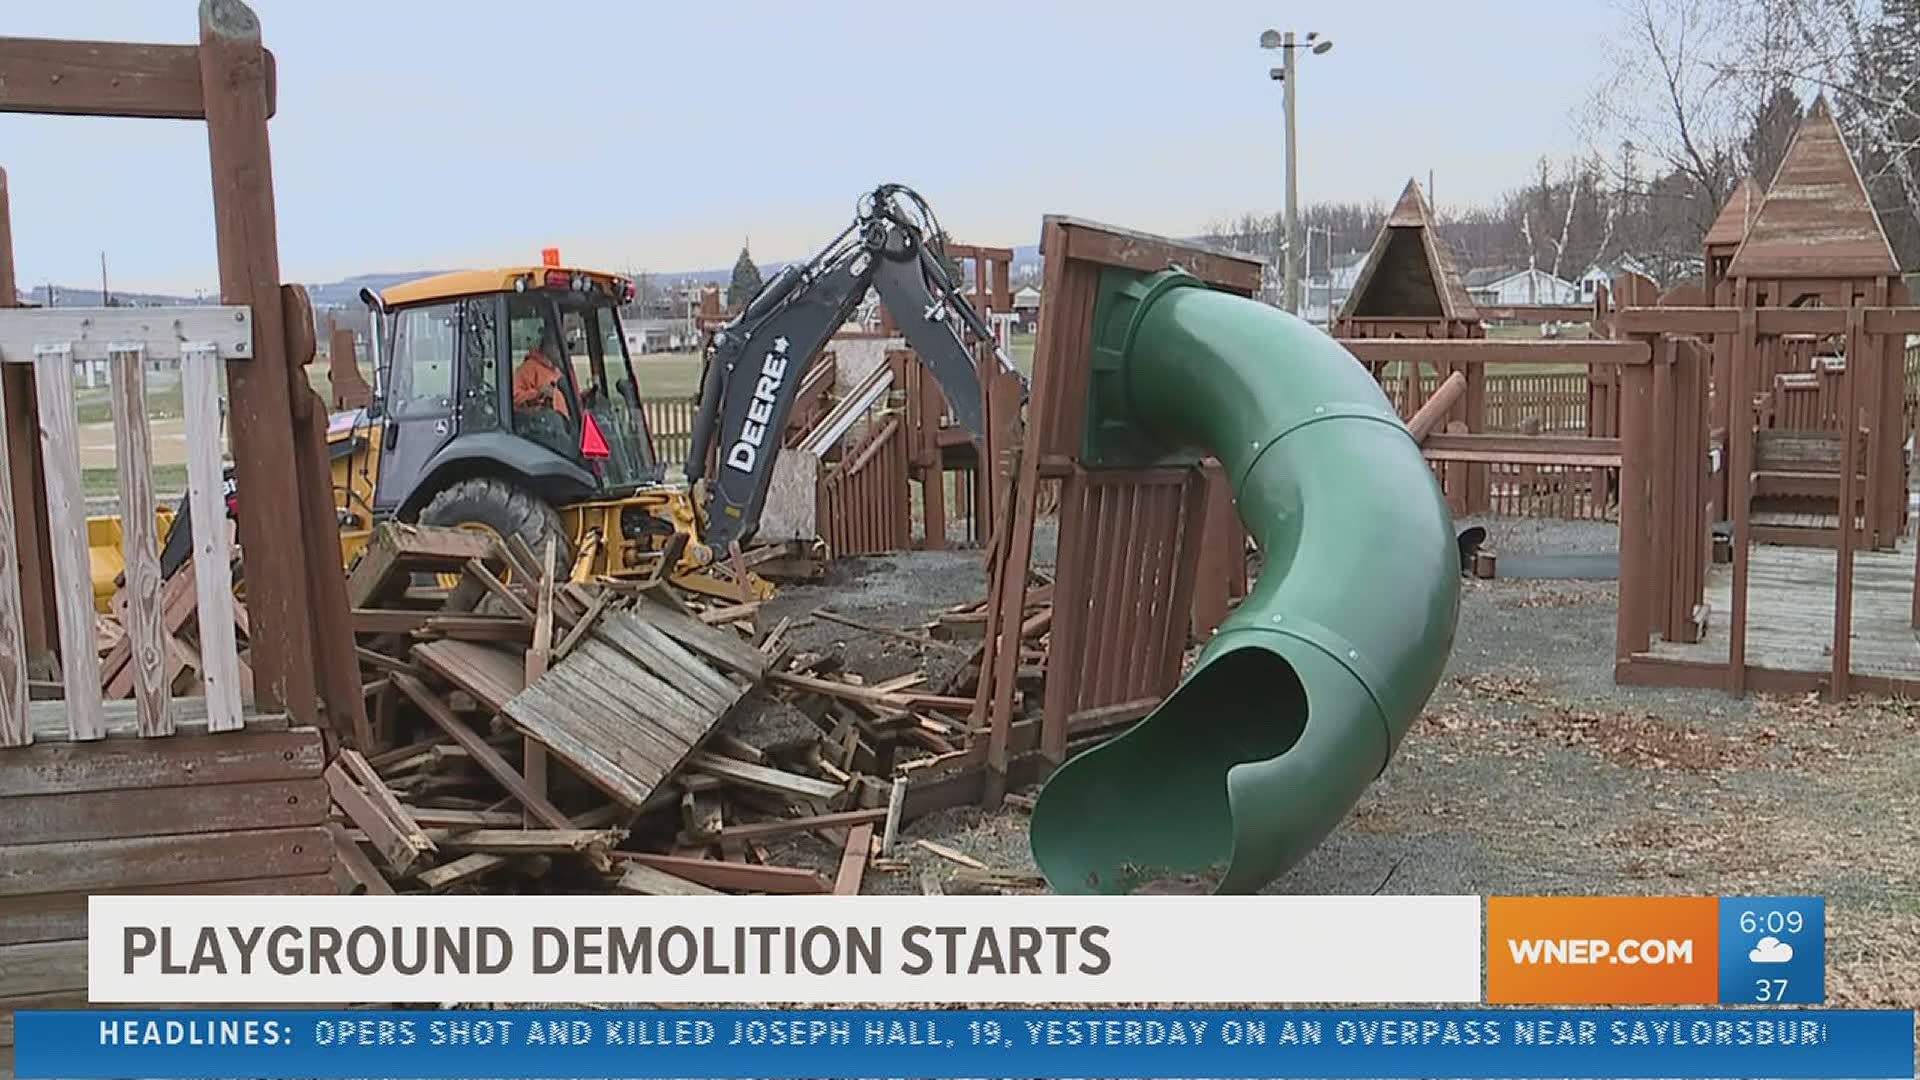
x,y
1300,699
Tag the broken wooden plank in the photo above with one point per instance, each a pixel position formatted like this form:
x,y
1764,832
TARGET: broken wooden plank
x,y
950,854
483,754
490,675
853,860
760,830
724,647
651,881
372,807
354,863
763,778
462,869
535,841
727,875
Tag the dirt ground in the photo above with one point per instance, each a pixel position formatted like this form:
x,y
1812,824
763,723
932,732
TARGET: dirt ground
x,y
1530,772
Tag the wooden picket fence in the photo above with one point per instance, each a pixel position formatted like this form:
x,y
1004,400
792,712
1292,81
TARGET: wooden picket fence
x,y
670,419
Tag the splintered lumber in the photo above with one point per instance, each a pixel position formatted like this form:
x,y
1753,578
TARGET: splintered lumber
x,y
867,695
490,675
649,881
723,647
730,613
763,778
353,862
967,876
483,753
464,868
760,830
398,550
950,854
364,797
853,861
535,841
627,705
744,877
433,817
889,632
896,804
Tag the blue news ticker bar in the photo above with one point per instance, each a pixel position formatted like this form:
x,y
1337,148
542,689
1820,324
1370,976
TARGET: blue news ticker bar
x,y
987,1044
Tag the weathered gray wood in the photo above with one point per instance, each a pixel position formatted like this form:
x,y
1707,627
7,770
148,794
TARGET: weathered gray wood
x,y
369,804
43,967
666,658
108,815
354,864
139,541
190,758
206,501
55,916
163,333
26,869
465,868
535,841
15,730
67,531
648,881
606,672
722,646
596,705
49,718
765,779
483,754
491,676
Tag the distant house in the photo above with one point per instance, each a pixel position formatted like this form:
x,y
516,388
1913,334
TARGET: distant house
x,y
1327,287
1026,309
1508,288
1598,276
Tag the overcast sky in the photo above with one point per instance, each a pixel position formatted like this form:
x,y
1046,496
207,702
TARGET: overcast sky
x,y
658,135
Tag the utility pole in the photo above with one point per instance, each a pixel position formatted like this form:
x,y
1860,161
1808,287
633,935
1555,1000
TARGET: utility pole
x,y
1288,75
105,297
1290,291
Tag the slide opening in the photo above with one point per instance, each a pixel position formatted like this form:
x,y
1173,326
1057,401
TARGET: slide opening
x,y
1159,798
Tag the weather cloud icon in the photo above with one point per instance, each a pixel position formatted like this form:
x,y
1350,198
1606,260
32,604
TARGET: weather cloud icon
x,y
1770,950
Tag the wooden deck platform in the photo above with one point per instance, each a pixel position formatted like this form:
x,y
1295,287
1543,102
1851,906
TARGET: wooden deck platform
x,y
1790,612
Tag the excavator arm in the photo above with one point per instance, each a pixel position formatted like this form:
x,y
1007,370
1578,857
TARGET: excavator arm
x,y
756,363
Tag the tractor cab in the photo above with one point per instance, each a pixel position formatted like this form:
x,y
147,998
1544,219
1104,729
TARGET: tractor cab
x,y
519,373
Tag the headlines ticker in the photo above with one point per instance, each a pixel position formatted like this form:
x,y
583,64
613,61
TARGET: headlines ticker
x,y
964,1043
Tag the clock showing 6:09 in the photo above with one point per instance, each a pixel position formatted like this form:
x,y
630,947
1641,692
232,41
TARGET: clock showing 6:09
x,y
1773,950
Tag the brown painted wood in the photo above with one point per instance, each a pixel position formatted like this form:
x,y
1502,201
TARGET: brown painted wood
x,y
15,729
57,916
84,866
187,759
853,860
105,78
106,815
1478,351
235,76
1740,453
1856,371
19,400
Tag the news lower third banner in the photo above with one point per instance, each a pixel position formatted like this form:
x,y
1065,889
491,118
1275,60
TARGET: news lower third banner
x,y
986,1044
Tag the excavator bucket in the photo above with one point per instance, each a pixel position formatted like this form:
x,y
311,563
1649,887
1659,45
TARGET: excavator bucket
x,y
1301,697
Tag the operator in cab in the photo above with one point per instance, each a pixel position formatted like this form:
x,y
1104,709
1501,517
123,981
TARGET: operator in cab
x,y
536,382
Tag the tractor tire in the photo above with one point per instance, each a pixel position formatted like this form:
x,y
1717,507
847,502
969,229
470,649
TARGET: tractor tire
x,y
504,508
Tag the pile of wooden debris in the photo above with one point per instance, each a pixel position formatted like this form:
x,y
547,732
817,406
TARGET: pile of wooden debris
x,y
528,734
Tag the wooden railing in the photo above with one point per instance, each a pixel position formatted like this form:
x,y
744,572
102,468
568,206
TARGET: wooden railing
x,y
53,341
670,420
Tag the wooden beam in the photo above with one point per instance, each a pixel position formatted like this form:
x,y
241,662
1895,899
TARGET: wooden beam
x,y
207,505
235,69
21,460
1495,351
853,860
482,753
107,78
761,830
140,543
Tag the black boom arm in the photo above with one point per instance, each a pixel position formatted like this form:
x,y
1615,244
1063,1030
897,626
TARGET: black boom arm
x,y
756,363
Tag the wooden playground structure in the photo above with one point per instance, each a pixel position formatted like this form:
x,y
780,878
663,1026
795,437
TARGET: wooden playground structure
x,y
93,793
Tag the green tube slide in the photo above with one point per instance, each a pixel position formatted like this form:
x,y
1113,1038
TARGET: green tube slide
x,y
1300,699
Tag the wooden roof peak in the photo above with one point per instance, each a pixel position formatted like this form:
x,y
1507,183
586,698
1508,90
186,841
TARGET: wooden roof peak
x,y
1816,220
1736,214
1408,272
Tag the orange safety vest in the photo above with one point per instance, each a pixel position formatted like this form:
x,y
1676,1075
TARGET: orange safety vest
x,y
535,378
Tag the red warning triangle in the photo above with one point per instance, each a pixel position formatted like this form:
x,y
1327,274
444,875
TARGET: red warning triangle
x,y
592,444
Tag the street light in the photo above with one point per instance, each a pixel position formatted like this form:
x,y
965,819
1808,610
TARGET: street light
x,y
1288,76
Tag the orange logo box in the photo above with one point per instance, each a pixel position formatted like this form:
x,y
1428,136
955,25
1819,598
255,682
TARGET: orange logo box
x,y
1603,950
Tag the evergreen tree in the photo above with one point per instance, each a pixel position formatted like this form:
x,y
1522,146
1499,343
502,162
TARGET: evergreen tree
x,y
1773,126
746,280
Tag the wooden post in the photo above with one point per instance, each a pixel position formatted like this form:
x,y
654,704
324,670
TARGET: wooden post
x,y
1638,459
25,467
1740,481
140,542
1422,422
1849,464
337,669
234,84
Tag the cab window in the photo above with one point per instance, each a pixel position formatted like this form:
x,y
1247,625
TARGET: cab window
x,y
425,340
545,408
